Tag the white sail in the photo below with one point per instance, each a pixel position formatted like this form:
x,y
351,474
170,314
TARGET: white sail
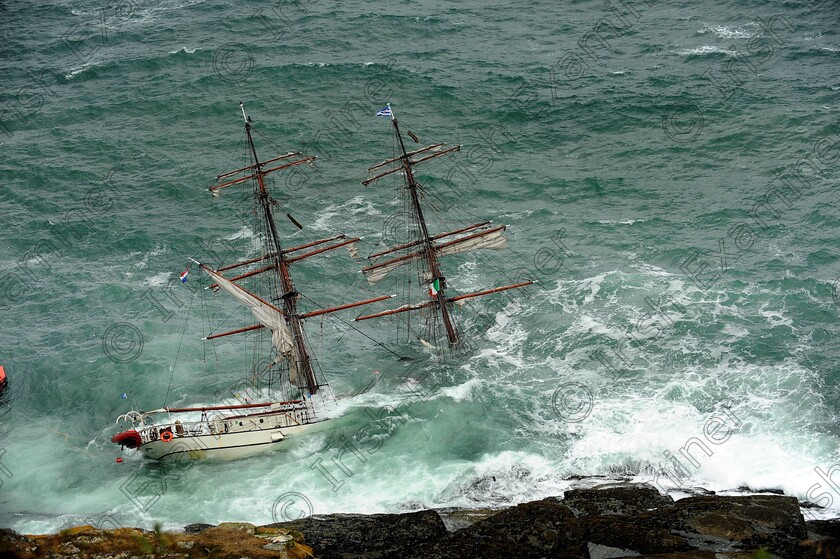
x,y
269,317
494,240
353,249
377,274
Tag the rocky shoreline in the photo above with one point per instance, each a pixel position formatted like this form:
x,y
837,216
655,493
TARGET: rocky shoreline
x,y
604,522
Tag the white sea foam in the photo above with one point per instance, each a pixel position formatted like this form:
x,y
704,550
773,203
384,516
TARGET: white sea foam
x,y
461,392
621,222
747,31
157,280
359,205
775,317
186,50
244,232
82,69
704,50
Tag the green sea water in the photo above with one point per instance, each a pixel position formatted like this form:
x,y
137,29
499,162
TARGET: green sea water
x,y
667,172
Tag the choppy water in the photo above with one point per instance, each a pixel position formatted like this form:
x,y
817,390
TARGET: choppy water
x,y
626,145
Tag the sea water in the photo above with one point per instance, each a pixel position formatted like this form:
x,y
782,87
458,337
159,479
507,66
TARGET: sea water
x,y
668,175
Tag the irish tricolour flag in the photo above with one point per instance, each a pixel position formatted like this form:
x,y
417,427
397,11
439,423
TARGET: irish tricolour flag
x,y
434,287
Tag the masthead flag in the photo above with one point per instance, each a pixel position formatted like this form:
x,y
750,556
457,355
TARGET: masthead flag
x,y
384,112
185,274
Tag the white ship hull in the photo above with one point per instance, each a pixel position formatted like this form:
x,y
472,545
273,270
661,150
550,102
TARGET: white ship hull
x,y
220,447
222,436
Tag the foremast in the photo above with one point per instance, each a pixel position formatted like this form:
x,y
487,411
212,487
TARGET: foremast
x,y
289,295
286,323
480,235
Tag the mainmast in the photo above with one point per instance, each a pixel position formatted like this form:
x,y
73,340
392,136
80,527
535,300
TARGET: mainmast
x,y
289,295
429,247
431,257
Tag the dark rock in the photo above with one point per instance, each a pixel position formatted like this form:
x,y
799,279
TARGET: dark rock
x,y
196,528
623,499
376,536
697,491
598,551
616,516
737,523
703,555
538,529
747,489
641,533
823,549
809,505
821,529
457,519
608,522
578,477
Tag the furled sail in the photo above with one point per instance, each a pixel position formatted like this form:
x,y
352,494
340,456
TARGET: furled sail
x,y
491,239
270,317
494,240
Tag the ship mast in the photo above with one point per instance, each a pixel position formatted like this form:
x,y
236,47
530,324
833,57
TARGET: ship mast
x,y
286,323
431,257
428,248
289,295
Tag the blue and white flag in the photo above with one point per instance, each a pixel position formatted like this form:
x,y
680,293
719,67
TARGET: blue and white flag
x,y
384,112
124,396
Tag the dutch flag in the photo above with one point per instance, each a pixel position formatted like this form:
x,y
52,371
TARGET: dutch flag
x,y
185,274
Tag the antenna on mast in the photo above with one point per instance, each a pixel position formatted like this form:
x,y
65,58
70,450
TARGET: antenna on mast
x,y
242,106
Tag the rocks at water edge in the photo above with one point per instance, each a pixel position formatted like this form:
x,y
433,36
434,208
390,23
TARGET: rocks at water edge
x,y
605,522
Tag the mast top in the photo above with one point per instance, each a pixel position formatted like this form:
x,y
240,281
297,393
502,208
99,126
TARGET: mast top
x,y
387,111
244,116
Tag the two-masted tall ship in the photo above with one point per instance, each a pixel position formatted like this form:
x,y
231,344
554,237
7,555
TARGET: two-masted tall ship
x,y
264,286
426,248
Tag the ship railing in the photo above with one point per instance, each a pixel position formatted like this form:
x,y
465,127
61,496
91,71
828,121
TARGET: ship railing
x,y
220,425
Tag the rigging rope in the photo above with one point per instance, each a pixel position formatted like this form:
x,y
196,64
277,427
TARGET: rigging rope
x,y
383,346
177,353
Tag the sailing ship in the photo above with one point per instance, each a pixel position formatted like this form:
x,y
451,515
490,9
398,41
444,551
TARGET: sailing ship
x,y
239,430
426,248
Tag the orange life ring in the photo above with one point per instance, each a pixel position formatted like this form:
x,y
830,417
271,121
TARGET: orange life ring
x,y
166,436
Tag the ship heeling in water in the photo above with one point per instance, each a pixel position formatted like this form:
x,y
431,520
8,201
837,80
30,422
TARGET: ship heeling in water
x,y
237,431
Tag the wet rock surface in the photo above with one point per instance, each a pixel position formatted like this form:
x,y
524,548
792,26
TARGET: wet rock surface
x,y
604,522
375,536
